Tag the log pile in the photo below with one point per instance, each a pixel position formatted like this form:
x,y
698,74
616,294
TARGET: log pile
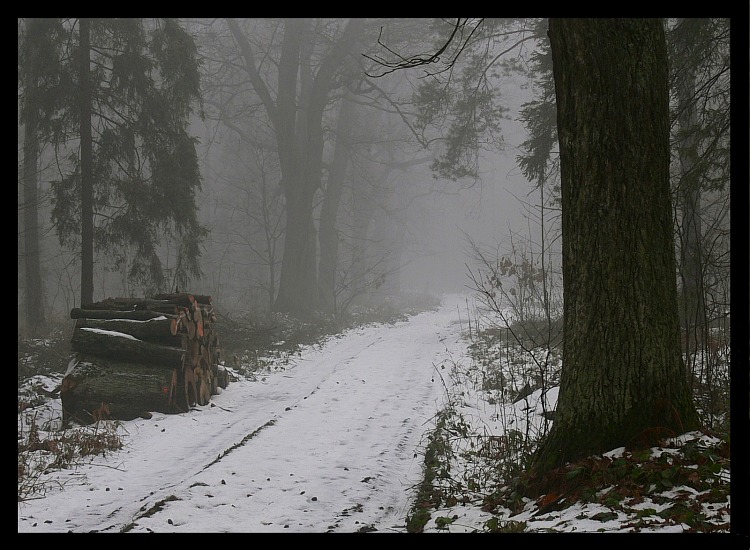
x,y
135,356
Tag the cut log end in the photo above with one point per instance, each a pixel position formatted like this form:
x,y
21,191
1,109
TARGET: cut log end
x,y
137,355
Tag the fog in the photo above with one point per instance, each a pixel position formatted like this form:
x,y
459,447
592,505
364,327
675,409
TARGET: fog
x,y
486,214
380,212
290,182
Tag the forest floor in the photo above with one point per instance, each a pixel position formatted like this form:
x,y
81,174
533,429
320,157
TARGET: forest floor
x,y
499,403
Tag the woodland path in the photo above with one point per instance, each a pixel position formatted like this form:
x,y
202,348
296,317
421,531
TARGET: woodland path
x,y
334,443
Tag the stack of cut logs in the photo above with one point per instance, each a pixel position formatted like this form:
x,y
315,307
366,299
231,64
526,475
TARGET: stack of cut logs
x,y
135,356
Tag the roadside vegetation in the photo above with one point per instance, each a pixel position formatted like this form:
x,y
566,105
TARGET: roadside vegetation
x,y
500,403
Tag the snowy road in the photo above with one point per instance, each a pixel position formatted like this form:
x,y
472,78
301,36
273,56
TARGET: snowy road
x,y
327,445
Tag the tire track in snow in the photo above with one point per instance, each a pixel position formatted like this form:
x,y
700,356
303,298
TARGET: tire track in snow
x,y
208,473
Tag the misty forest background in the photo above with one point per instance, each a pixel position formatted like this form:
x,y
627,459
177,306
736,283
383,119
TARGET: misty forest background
x,y
205,140
317,167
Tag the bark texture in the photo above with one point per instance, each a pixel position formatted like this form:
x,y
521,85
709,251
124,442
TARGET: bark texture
x,y
97,388
116,345
623,381
159,330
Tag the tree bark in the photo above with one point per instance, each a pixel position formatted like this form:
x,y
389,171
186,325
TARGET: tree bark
x,y
623,380
156,331
78,313
122,346
100,388
297,292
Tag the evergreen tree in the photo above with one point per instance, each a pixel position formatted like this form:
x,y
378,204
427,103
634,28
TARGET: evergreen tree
x,y
39,48
538,160
458,98
117,115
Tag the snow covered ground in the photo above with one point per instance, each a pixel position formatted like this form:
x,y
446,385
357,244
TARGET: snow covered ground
x,y
334,440
330,443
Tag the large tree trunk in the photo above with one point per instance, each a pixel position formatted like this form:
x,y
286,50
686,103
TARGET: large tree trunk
x,y
297,122
35,316
623,380
328,237
87,176
297,283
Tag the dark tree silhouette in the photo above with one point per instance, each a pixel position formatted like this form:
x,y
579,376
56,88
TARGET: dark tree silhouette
x,y
302,85
623,380
118,100
38,47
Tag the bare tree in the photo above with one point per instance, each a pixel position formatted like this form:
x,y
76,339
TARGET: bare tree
x,y
297,122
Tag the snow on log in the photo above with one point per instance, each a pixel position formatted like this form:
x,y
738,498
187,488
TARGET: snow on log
x,y
125,347
155,330
79,313
129,349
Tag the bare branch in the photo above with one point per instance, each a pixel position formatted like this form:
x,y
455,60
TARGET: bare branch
x,y
422,59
